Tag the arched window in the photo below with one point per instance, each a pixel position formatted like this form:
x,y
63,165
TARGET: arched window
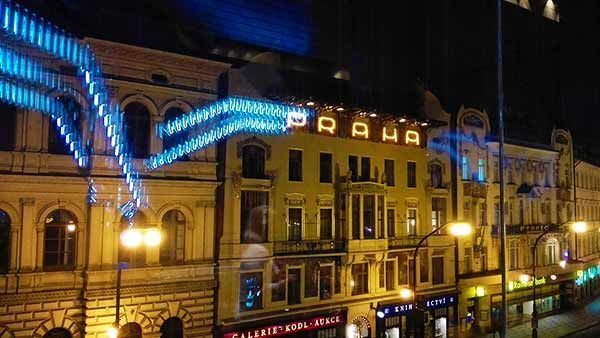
x,y
173,230
133,256
130,330
178,138
4,242
436,175
8,126
58,332
56,142
172,328
60,240
137,129
253,162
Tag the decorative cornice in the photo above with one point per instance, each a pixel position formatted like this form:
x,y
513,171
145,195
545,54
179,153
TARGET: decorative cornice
x,y
41,296
205,285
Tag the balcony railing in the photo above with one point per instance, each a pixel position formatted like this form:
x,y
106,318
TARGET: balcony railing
x,y
404,241
309,246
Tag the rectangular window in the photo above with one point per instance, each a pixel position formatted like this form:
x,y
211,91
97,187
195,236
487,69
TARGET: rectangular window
x,y
468,259
295,165
294,224
497,214
278,281
365,169
389,275
353,166
438,212
390,180
403,268
251,291
411,222
437,267
465,168
325,223
514,255
391,223
325,168
254,216
411,174
360,279
325,282
423,267
293,286
481,170
356,216
369,216
380,233
311,279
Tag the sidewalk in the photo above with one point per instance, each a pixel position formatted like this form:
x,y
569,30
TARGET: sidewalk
x,y
559,325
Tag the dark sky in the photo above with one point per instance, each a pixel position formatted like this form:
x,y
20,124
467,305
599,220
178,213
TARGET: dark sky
x,y
551,69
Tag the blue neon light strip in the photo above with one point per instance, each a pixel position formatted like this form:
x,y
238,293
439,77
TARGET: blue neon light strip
x,y
252,124
232,106
31,98
23,67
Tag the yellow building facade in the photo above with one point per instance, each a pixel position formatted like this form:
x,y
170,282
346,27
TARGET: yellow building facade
x,y
61,250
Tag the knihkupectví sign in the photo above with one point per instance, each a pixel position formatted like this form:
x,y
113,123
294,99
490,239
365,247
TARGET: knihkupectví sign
x,y
289,328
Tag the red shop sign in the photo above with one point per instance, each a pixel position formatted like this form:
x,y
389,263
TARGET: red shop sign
x,y
289,328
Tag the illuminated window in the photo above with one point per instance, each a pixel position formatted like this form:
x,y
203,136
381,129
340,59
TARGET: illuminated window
x,y
137,132
438,212
60,240
294,224
360,279
465,168
295,165
411,222
253,162
8,126
4,242
481,170
251,290
173,230
135,257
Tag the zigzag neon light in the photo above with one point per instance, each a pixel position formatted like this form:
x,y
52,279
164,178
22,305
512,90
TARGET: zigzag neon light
x,y
231,106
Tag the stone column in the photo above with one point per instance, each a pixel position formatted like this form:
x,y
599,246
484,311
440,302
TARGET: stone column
x,y
199,231
209,230
39,248
14,246
152,253
28,235
80,246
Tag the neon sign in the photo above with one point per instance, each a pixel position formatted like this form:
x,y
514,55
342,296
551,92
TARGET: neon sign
x,y
587,274
360,130
327,125
289,328
444,301
394,310
516,285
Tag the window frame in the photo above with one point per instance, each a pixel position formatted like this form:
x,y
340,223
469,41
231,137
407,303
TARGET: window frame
x,y
411,177
433,274
62,238
330,181
332,266
268,216
302,221
319,234
409,218
365,289
246,171
262,288
390,180
300,177
299,267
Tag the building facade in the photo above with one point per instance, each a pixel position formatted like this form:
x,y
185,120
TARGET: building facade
x,y
61,250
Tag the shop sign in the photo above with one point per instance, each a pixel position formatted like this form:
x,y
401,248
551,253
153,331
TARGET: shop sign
x,y
327,125
289,328
589,273
395,309
437,302
516,285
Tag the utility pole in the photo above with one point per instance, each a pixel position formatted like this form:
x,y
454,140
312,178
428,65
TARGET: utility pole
x,y
502,230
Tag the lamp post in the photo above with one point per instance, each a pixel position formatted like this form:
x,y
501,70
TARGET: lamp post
x,y
457,229
131,238
577,227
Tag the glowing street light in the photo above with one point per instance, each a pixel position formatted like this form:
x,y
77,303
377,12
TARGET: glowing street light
x,y
112,332
460,229
406,293
152,237
562,264
579,227
131,238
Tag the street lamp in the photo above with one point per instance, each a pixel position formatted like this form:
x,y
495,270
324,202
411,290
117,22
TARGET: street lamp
x,y
457,229
131,238
577,227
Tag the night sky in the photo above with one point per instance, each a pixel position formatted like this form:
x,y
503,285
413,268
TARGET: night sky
x,y
446,46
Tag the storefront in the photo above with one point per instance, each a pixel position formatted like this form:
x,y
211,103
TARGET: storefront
x,y
394,320
587,282
325,325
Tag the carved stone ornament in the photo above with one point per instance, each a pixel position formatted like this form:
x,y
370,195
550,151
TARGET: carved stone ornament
x,y
295,199
236,181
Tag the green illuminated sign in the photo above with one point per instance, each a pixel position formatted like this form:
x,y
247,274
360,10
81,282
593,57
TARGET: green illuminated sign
x,y
516,285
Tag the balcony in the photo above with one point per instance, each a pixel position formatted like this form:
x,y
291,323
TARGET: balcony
x,y
404,242
475,189
307,247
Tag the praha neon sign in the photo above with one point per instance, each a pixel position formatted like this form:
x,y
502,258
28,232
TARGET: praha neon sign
x,y
327,125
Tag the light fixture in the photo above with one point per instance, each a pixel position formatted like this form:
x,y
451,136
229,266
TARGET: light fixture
x,y
424,124
562,264
480,291
152,237
310,103
131,238
406,293
553,277
460,229
380,314
372,115
579,227
352,283
402,120
112,332
340,109
524,278
71,226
